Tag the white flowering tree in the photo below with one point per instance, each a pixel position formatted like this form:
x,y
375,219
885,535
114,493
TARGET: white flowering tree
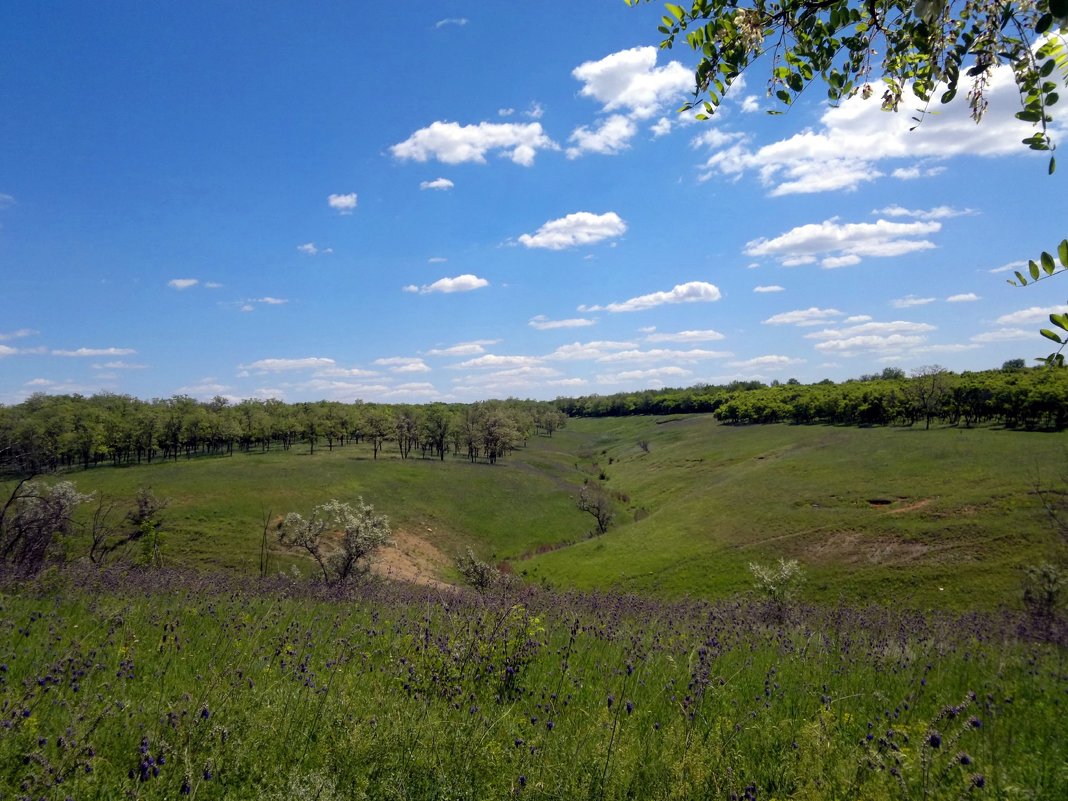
x,y
340,537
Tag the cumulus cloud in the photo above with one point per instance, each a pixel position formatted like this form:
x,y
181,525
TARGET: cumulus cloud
x,y
937,213
437,183
909,301
283,365
461,283
629,81
707,335
464,348
543,323
844,244
404,364
655,377
7,350
872,337
580,228
345,372
19,334
343,204
661,355
1033,314
768,288
612,136
916,171
452,143
311,249
803,317
854,138
183,283
1005,335
964,297
691,292
589,351
769,362
80,352
492,360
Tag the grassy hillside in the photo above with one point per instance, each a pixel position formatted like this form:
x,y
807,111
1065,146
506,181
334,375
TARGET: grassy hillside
x,y
943,517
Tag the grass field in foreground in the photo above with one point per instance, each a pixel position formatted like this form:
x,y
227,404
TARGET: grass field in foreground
x,y
946,517
153,685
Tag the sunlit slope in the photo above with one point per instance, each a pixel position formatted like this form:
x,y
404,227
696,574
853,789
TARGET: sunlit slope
x,y
946,516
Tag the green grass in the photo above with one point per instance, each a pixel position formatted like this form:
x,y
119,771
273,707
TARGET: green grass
x,y
940,518
154,686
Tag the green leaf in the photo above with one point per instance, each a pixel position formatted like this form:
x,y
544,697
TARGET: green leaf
x,y
1043,23
1032,267
1020,278
675,10
1050,335
1052,164
1062,252
1028,116
1048,265
1059,320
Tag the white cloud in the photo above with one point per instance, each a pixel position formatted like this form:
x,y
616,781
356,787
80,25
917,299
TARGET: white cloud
x,y
457,21
771,362
872,337
612,136
768,288
19,334
964,297
505,112
567,382
630,81
281,365
494,361
662,355
269,301
1005,335
916,171
461,283
437,183
691,292
750,104
345,372
7,350
810,316
937,213
436,260
95,352
853,138
311,249
1034,314
119,365
588,351
1008,268
344,204
661,127
247,307
451,143
183,283
404,364
213,285
715,137
909,301
580,228
464,348
535,112
543,323
707,335
656,376
204,389
844,243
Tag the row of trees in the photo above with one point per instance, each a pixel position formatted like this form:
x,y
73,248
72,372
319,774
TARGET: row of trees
x,y
1013,396
48,432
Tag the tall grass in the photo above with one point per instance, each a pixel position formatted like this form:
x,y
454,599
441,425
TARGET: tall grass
x,y
157,684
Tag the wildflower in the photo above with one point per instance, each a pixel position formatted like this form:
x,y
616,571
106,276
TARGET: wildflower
x,y
630,707
934,739
978,781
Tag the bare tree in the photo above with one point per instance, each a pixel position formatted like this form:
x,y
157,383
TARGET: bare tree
x,y
593,500
34,517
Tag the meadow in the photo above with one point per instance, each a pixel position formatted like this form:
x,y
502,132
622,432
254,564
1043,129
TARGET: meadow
x,y
634,665
945,518
167,684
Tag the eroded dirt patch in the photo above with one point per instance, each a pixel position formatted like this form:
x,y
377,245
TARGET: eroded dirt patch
x,y
913,506
855,548
413,558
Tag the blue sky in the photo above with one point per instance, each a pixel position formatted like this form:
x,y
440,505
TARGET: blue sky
x,y
459,200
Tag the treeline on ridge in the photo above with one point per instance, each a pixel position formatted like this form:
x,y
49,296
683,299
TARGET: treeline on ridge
x,y
50,432
1014,396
